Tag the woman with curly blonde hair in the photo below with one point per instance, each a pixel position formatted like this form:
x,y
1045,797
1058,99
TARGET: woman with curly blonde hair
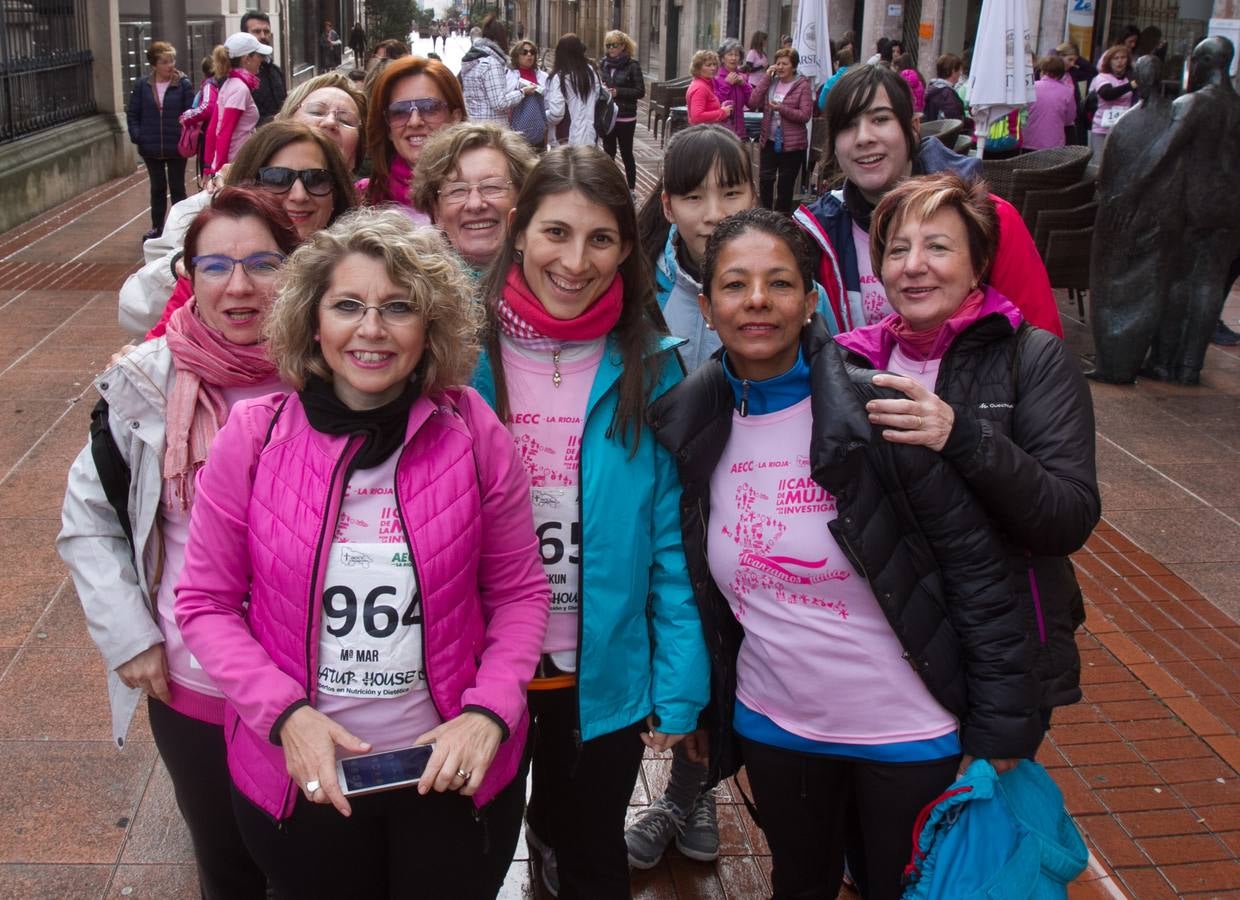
x,y
364,577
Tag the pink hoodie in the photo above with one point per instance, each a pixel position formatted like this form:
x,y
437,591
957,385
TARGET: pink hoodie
x,y
262,524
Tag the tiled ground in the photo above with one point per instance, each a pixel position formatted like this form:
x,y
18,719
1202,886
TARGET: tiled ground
x,y
1148,763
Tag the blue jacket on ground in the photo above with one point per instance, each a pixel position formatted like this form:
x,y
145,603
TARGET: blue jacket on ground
x,y
997,837
155,129
642,649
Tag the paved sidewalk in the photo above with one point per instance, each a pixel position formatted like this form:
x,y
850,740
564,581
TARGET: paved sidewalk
x,y
1149,762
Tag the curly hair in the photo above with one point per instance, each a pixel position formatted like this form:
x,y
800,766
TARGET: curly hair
x,y
418,259
298,95
441,156
921,198
766,221
702,58
619,37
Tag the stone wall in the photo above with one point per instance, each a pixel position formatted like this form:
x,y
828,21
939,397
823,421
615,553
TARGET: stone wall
x,y
49,167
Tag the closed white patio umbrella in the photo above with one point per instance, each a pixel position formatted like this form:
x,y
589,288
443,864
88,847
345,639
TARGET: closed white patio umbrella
x,y
1001,77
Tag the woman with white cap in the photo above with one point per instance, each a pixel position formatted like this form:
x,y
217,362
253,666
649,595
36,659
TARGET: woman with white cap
x,y
236,114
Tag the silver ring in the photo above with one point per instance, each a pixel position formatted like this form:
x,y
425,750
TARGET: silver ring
x,y
312,785
463,775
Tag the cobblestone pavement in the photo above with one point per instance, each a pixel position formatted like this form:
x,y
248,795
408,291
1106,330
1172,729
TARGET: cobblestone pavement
x,y
1148,762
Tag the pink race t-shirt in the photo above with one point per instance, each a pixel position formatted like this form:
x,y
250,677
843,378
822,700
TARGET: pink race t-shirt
x,y
183,669
372,677
873,295
819,658
235,95
546,422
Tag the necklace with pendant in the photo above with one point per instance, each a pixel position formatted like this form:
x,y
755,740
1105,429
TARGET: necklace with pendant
x,y
556,377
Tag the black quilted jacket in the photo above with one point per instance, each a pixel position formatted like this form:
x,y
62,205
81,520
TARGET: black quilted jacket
x,y
909,525
1023,440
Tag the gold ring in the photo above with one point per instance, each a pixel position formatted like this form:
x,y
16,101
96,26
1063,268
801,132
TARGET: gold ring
x,y
921,423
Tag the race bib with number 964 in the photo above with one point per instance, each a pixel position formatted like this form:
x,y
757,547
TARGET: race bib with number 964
x,y
370,637
559,543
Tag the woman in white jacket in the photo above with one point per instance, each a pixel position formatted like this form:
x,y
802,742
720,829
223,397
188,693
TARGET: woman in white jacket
x,y
571,90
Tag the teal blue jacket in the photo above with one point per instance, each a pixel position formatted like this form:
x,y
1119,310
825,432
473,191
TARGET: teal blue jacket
x,y
641,646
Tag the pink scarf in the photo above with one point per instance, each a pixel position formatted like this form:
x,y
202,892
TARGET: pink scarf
x,y
400,176
933,343
205,362
522,315
250,79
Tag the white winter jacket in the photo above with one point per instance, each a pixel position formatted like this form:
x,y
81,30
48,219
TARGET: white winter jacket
x,y
580,112
145,293
116,595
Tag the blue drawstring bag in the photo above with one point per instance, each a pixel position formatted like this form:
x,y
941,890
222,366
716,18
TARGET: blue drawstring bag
x,y
996,837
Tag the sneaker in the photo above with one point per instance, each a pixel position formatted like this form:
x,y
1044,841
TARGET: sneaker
x,y
652,833
1224,336
548,867
700,837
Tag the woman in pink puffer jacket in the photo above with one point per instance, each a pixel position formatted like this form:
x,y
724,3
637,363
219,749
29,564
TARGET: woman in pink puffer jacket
x,y
363,575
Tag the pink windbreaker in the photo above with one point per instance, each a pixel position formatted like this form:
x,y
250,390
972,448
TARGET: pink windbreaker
x,y
262,524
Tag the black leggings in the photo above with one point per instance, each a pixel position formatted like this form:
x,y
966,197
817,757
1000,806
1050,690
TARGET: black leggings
x,y
622,136
814,809
786,166
195,756
396,844
580,795
165,174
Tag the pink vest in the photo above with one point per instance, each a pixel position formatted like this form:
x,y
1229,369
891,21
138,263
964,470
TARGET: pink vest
x,y
262,523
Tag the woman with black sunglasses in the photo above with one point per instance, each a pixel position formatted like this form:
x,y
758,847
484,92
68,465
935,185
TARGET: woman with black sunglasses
x,y
413,98
299,165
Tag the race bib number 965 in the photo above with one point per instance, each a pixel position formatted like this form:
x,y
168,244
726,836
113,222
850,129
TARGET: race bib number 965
x,y
559,543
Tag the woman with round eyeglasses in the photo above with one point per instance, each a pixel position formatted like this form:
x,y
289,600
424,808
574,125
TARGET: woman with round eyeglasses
x,y
127,510
468,178
394,598
298,164
413,98
334,105
529,117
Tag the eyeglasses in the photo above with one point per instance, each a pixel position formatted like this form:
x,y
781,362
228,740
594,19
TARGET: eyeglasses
x,y
279,180
343,117
259,266
394,312
455,193
432,110
613,46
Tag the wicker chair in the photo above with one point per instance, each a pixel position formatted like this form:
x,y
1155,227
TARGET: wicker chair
x,y
964,144
945,130
1067,262
1055,198
1012,178
1050,220
672,93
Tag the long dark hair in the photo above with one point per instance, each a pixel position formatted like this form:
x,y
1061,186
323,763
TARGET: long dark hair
x,y
689,158
591,173
572,64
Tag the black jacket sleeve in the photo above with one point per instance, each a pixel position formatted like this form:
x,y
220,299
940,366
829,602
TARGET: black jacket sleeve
x,y
985,613
1114,91
1040,484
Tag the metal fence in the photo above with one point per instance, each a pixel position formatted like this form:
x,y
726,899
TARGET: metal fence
x,y
45,65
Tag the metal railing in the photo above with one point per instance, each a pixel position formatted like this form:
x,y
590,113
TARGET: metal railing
x,y
45,65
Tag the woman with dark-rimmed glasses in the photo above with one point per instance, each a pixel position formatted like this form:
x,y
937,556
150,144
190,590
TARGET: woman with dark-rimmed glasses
x,y
413,98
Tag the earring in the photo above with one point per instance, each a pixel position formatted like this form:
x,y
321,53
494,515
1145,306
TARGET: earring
x,y
810,319
710,326
518,256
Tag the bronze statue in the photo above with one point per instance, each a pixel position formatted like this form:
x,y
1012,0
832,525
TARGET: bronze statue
x,y
1132,233
1187,180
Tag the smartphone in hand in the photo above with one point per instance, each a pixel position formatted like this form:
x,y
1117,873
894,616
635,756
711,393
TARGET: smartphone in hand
x,y
385,771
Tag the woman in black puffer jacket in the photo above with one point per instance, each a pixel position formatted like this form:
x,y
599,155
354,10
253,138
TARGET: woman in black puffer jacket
x,y
154,114
1003,402
865,636
622,76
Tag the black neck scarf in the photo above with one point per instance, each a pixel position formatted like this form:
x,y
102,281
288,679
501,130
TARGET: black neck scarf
x,y
382,429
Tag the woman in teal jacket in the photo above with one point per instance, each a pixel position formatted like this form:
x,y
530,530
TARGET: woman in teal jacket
x,y
572,362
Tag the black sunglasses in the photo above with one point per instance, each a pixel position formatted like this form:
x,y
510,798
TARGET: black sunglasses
x,y
279,180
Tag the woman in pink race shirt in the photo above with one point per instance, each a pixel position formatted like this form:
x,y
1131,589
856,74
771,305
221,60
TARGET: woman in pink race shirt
x,y
864,636
363,576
